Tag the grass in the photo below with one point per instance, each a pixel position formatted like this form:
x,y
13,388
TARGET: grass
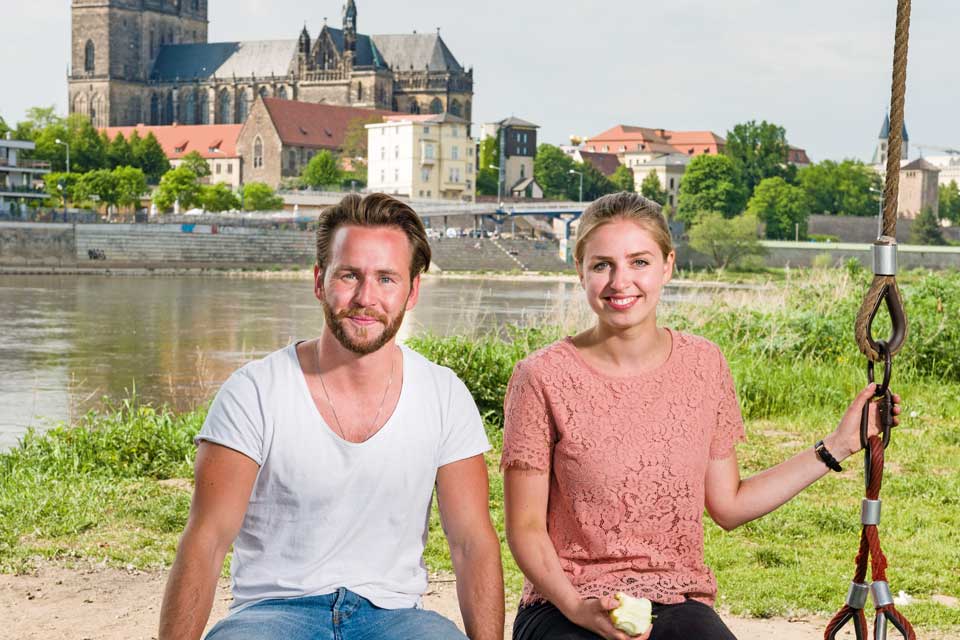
x,y
107,489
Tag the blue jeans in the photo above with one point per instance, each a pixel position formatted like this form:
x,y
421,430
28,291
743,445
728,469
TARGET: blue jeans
x,y
342,615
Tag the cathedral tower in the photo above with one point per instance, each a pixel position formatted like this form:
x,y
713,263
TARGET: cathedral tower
x,y
114,45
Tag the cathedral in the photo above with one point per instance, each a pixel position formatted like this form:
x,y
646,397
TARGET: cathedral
x,y
148,61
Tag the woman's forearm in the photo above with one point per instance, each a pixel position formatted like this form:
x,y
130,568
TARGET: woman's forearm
x,y
537,558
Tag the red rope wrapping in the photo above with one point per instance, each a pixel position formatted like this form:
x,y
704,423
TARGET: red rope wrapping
x,y
870,550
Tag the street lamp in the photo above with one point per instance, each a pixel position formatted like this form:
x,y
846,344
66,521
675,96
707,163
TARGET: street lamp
x,y
579,173
67,145
499,183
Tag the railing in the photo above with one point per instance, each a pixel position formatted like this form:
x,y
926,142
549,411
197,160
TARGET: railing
x,y
327,75
25,164
24,191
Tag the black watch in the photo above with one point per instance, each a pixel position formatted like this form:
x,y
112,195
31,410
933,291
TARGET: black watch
x,y
826,457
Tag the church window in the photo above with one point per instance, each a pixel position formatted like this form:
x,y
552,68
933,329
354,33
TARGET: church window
x,y
203,107
154,109
190,108
413,107
244,107
455,108
89,57
223,108
436,106
359,92
282,93
168,114
257,153
264,92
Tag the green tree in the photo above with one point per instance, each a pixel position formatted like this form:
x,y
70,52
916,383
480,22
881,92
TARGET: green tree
x,y
926,228
131,185
488,178
652,189
196,163
711,183
119,152
258,196
4,127
322,170
595,184
149,156
87,148
59,184
847,188
759,151
218,197
782,207
180,184
355,137
622,179
98,186
727,240
950,202
551,168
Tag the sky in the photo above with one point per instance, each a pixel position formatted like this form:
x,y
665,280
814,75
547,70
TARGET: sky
x,y
819,68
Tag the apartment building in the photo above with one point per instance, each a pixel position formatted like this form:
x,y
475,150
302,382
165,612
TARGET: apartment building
x,y
21,180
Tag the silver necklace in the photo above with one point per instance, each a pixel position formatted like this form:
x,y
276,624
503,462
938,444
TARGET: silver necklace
x,y
334,409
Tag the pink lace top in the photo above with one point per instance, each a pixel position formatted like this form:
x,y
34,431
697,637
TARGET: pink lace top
x,y
626,458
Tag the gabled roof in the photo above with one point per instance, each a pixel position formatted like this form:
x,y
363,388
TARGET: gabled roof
x,y
224,59
920,164
517,122
212,141
605,163
308,124
417,51
366,53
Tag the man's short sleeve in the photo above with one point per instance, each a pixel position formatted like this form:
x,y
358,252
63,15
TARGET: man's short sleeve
x,y
235,419
729,430
463,435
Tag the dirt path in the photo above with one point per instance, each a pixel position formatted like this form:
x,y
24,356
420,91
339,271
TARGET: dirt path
x,y
99,603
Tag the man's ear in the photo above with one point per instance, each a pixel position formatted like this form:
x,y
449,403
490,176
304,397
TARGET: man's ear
x,y
317,282
414,295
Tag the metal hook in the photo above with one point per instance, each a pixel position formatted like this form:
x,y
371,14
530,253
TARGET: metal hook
x,y
859,625
898,320
885,353
880,625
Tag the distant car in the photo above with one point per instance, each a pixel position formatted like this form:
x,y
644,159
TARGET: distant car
x,y
453,233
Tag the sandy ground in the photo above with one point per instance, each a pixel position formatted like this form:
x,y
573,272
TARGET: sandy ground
x,y
98,603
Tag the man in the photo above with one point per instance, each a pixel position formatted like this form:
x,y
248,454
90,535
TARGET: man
x,y
319,462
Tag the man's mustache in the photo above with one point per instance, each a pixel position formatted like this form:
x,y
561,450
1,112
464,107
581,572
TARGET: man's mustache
x,y
353,312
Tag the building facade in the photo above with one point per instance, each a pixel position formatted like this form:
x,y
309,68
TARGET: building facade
x,y
919,188
422,156
20,180
281,136
518,148
148,61
216,143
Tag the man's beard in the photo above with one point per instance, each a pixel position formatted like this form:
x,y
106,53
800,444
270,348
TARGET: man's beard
x,y
361,346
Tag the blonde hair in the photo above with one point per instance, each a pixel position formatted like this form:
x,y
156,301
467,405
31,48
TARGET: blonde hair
x,y
374,210
624,205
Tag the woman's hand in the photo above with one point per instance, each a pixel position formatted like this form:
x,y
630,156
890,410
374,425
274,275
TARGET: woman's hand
x,y
594,614
845,439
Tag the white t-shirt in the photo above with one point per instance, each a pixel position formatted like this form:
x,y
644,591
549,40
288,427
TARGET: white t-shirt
x,y
326,513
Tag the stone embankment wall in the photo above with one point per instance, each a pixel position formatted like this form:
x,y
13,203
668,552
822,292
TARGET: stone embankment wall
x,y
159,246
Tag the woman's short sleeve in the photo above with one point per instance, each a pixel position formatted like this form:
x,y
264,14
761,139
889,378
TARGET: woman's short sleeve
x,y
528,429
729,429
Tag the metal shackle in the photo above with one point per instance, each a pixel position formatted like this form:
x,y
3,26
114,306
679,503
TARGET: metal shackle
x,y
857,595
881,593
870,511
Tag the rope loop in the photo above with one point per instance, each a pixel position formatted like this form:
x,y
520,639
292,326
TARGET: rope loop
x,y
884,289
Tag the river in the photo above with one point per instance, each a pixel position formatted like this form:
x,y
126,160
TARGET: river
x,y
69,342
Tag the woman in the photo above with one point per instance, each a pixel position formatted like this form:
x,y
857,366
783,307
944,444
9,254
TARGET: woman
x,y
616,438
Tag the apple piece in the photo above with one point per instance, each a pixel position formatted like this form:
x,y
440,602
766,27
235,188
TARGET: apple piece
x,y
633,616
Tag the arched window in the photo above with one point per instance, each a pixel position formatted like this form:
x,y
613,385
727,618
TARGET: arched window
x,y
257,153
264,92
189,115
154,109
282,93
243,108
98,112
436,106
413,107
89,57
168,109
455,108
203,108
81,104
359,92
223,108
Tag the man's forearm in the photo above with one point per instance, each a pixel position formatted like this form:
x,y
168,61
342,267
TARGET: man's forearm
x,y
191,587
480,586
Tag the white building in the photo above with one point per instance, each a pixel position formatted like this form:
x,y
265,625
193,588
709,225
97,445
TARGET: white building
x,y
949,166
668,167
422,156
20,180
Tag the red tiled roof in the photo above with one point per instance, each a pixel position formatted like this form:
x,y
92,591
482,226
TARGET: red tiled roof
x,y
605,163
209,140
308,124
628,139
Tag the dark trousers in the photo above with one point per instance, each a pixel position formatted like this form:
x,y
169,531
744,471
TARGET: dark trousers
x,y
689,620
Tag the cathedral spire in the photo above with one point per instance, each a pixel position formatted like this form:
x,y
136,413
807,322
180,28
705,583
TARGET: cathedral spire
x,y
305,41
350,26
